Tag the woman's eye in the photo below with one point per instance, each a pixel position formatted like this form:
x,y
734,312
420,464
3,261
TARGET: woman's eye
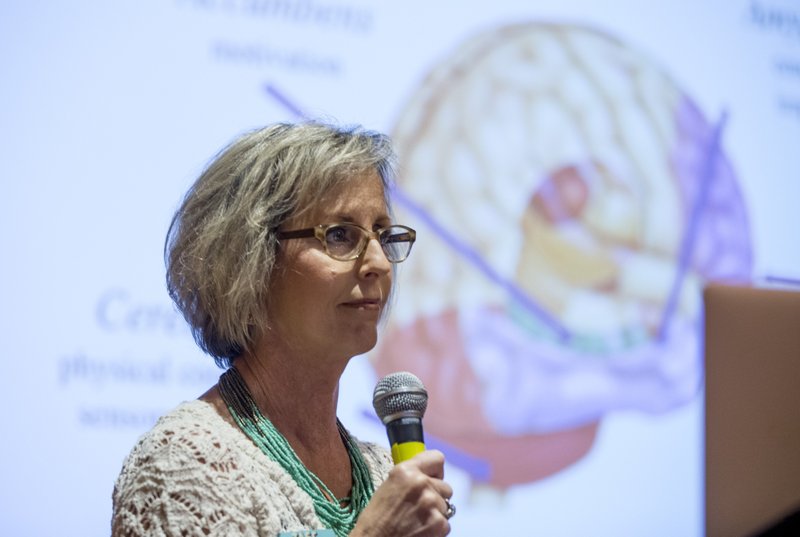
x,y
338,234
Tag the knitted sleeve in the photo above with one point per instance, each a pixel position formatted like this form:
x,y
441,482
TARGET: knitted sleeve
x,y
194,474
180,479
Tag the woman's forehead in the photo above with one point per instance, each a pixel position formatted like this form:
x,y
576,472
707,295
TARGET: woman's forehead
x,y
363,196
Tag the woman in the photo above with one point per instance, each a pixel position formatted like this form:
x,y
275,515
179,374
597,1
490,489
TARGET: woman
x,y
280,258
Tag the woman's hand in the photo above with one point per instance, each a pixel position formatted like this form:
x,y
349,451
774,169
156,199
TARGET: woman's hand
x,y
411,502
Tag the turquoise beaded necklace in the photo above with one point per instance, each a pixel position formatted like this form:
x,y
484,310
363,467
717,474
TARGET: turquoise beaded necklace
x,y
340,515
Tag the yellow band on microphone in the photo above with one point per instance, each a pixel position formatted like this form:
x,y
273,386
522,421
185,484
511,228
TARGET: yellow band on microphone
x,y
406,450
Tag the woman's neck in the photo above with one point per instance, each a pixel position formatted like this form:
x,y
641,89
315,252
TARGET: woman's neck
x,y
299,395
296,391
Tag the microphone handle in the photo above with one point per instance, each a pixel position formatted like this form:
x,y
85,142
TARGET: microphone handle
x,y
406,438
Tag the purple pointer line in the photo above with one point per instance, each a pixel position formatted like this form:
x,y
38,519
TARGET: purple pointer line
x,y
281,98
459,246
477,468
473,257
782,279
689,238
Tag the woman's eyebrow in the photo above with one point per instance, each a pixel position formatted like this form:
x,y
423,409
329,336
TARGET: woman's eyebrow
x,y
383,219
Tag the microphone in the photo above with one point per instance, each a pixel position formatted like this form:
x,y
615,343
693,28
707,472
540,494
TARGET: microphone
x,y
400,400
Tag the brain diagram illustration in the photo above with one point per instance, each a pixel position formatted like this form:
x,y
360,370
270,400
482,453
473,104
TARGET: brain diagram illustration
x,y
570,201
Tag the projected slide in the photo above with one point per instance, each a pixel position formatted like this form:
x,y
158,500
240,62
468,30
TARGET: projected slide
x,y
573,201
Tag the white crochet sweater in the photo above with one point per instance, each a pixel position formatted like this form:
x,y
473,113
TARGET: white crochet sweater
x,y
196,474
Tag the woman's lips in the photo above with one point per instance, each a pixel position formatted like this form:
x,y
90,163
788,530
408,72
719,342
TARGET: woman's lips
x,y
366,304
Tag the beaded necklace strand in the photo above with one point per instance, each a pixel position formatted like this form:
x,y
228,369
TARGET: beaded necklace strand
x,y
338,515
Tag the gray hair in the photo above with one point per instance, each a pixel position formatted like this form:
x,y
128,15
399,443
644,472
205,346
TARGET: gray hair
x,y
221,246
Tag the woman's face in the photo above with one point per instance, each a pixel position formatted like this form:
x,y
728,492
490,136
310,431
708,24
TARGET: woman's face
x,y
318,304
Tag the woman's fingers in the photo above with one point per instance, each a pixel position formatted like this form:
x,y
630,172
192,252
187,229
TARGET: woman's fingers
x,y
430,462
414,500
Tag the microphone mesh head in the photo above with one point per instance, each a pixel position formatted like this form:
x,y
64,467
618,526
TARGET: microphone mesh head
x,y
399,394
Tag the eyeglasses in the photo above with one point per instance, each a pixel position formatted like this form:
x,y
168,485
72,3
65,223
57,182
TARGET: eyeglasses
x,y
346,241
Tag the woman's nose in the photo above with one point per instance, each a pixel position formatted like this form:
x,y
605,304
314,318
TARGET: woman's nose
x,y
374,259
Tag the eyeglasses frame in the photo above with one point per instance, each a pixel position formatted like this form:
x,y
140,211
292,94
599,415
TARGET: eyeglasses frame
x,y
318,232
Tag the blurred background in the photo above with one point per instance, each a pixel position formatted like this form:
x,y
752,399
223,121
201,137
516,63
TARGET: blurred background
x,y
576,170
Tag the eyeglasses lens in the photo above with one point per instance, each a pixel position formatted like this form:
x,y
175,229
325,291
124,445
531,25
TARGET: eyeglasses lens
x,y
396,243
342,241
